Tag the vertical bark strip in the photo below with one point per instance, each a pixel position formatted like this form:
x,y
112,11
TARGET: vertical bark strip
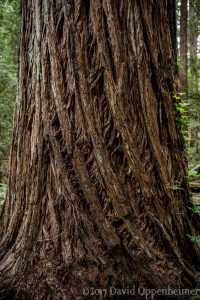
x,y
95,154
184,46
193,39
171,8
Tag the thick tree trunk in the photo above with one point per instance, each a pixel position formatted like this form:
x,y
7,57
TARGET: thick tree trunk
x,y
96,155
183,46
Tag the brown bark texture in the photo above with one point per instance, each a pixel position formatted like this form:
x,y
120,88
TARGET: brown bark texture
x,y
95,154
184,46
193,38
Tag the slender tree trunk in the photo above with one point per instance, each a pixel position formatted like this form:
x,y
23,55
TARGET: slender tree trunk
x,y
193,67
183,46
193,27
97,192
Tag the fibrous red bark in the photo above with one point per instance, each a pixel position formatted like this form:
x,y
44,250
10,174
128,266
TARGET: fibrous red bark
x,y
184,46
95,154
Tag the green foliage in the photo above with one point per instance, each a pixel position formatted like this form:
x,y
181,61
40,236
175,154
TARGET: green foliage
x,y
195,209
176,186
181,116
194,206
2,192
193,175
195,239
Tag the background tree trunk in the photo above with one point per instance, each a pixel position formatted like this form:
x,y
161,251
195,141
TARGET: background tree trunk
x,y
193,89
183,46
97,188
193,34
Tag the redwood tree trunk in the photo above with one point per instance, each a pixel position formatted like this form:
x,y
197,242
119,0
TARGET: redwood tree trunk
x,y
184,46
97,191
193,31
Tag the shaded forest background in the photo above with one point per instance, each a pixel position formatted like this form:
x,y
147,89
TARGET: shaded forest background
x,y
188,59
9,37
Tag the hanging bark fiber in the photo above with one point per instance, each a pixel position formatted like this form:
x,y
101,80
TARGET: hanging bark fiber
x,y
95,154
